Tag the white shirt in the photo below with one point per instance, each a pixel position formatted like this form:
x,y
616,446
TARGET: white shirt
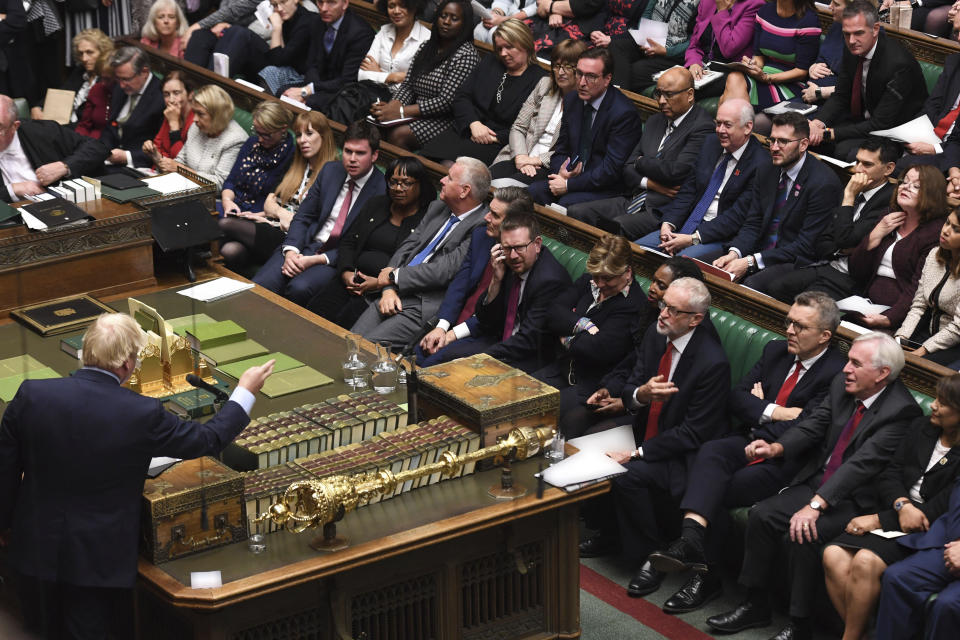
x,y
15,166
731,167
806,364
842,263
885,270
382,47
678,345
545,143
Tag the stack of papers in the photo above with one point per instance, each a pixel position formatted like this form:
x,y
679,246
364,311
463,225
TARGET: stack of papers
x,y
171,183
215,289
591,464
861,305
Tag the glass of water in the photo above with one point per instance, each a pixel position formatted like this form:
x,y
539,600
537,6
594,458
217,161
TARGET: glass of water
x,y
354,366
384,371
554,452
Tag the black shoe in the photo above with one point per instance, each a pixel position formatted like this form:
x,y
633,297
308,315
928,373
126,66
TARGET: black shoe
x,y
746,616
699,590
597,546
645,581
679,556
793,632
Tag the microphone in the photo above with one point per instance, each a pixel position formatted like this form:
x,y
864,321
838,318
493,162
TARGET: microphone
x,y
199,383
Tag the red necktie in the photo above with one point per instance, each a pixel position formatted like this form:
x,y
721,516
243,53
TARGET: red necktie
x,y
653,416
334,238
856,91
788,386
513,301
471,304
836,458
944,125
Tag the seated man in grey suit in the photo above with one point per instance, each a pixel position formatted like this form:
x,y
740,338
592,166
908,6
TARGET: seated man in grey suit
x,y
416,278
662,160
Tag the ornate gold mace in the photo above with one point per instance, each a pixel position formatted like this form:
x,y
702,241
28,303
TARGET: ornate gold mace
x,y
309,504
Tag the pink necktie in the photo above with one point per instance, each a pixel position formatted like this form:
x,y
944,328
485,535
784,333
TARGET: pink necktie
x,y
836,458
334,238
513,301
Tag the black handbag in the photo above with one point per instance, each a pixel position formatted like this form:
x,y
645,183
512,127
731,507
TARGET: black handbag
x,y
353,101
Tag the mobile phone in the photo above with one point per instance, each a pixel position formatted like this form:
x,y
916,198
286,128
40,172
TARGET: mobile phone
x,y
574,161
357,277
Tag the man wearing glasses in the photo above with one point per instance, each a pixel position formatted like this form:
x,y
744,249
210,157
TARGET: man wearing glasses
x,y
657,167
678,393
786,384
136,108
792,202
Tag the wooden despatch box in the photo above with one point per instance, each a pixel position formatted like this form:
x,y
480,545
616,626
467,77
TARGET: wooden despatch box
x,y
487,396
193,506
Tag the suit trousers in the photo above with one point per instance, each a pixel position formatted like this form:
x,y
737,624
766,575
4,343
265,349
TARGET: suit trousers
x,y
610,214
575,419
906,587
541,194
646,512
764,279
706,252
768,530
299,289
71,612
399,329
836,284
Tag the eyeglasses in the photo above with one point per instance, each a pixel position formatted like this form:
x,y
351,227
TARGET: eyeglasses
x,y
673,312
661,93
403,185
600,277
910,186
782,142
519,248
589,77
797,327
123,80
566,68
266,134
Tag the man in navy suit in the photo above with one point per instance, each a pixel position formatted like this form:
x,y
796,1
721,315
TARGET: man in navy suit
x,y
786,384
73,456
678,392
307,258
599,128
455,318
710,208
339,45
845,443
136,108
866,199
934,568
511,314
792,203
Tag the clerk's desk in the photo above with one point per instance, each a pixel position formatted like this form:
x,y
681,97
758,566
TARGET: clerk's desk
x,y
445,561
113,253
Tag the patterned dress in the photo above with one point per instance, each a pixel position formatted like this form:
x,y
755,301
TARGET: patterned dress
x,y
785,44
619,16
434,91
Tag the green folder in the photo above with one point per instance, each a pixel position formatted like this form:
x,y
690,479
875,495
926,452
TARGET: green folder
x,y
7,212
293,380
181,324
214,334
19,365
10,384
126,195
284,362
234,352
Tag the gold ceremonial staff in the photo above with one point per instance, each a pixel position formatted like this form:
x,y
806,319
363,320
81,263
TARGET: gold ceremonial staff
x,y
321,503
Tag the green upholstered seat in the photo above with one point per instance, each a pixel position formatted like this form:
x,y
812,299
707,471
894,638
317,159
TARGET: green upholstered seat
x,y
931,72
244,119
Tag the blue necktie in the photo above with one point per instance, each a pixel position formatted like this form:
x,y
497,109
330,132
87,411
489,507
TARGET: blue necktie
x,y
586,133
328,38
420,257
781,200
712,188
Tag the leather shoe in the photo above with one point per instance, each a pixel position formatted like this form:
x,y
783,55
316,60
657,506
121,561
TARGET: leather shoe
x,y
597,546
792,632
645,581
700,589
679,556
746,616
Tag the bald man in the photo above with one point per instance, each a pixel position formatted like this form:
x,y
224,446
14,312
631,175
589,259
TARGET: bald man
x,y
662,160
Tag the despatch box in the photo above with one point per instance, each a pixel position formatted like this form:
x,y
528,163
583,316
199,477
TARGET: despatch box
x,y
487,396
193,506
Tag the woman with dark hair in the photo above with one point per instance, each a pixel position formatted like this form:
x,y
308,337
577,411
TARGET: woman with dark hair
x,y
367,244
177,118
438,69
913,491
489,100
934,316
888,261
537,126
395,45
251,236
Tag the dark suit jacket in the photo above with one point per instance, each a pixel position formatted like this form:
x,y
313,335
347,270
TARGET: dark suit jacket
x,y
374,212
591,357
317,206
673,165
908,466
467,279
83,444
329,72
45,141
944,529
142,124
807,211
771,370
843,234
697,412
616,130
735,199
895,91
531,347
868,452
939,104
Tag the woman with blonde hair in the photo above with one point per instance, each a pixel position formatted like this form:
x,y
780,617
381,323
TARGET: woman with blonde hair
x,y
213,140
91,81
251,236
165,27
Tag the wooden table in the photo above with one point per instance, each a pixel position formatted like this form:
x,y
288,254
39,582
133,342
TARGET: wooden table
x,y
113,253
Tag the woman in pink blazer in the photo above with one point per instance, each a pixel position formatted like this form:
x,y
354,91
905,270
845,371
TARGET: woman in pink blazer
x,y
723,31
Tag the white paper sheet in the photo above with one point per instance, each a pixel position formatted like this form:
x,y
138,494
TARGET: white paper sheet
x,y
264,9
860,305
215,289
650,30
205,579
887,534
582,467
917,130
854,327
616,439
170,183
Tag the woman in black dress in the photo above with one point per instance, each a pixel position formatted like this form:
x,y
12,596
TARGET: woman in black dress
x,y
490,99
367,244
915,491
